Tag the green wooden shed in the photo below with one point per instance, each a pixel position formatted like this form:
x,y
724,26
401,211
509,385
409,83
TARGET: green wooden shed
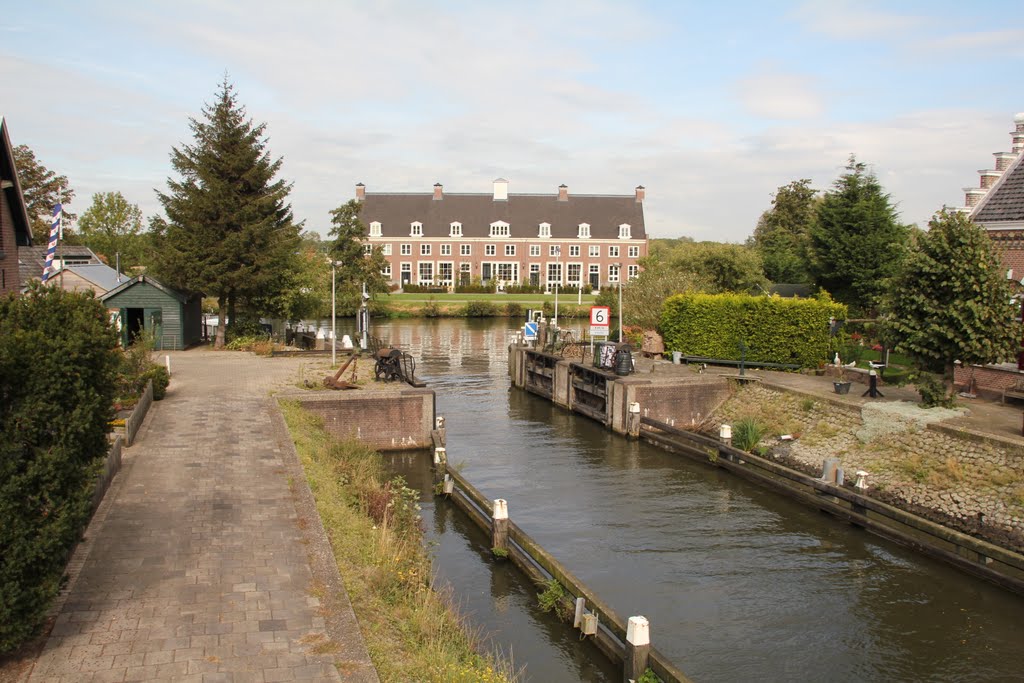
x,y
173,318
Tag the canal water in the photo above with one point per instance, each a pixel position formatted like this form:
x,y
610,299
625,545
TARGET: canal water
x,y
739,584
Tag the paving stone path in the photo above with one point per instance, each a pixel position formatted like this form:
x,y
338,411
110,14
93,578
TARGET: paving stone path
x,y
196,567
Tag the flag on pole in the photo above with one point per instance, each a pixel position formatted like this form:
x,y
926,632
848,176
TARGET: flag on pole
x,y
51,247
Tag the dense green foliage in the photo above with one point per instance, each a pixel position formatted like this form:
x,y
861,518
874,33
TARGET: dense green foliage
x,y
783,233
58,361
857,242
952,301
354,265
111,227
42,189
773,330
229,231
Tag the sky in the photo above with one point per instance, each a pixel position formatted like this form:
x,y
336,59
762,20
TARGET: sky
x,y
710,106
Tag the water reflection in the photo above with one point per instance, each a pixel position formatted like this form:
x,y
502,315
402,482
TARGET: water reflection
x,y
738,583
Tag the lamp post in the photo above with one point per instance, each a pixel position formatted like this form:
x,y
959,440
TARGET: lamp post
x,y
620,303
334,317
558,282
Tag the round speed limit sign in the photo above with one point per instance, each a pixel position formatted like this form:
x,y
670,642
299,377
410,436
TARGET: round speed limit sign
x,y
600,315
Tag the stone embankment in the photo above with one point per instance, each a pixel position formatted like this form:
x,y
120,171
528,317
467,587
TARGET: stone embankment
x,y
968,483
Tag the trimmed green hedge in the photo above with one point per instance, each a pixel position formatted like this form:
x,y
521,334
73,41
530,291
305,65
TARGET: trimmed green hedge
x,y
58,368
775,330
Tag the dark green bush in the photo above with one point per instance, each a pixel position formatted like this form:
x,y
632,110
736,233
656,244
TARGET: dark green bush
x,y
424,289
514,309
58,365
773,329
161,379
431,309
480,309
523,288
933,392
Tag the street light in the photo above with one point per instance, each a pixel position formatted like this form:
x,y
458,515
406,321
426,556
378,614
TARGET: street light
x,y
334,317
558,282
620,302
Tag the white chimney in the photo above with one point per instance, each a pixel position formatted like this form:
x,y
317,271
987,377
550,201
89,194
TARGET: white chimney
x,y
501,190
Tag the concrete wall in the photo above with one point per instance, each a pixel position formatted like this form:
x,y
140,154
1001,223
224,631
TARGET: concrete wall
x,y
399,420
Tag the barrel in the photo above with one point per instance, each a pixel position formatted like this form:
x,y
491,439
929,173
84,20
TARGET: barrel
x,y
623,360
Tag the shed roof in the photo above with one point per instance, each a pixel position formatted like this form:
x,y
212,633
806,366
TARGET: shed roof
x,y
99,274
147,279
32,259
523,212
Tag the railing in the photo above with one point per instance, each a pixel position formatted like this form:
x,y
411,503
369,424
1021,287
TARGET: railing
x,y
981,558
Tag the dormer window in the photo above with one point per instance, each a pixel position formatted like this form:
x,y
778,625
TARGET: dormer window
x,y
455,229
375,229
499,229
544,230
584,232
416,230
624,231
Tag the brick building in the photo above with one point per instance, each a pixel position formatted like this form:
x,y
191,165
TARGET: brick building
x,y
541,239
15,229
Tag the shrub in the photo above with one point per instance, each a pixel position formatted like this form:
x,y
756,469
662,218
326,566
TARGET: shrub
x,y
933,392
514,309
424,289
161,379
523,288
431,309
476,286
480,309
246,327
747,433
58,371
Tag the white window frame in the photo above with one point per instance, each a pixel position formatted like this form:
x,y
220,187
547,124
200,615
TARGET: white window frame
x,y
500,229
446,250
574,251
568,268
632,272
419,272
613,251
583,231
510,250
375,229
544,231
554,250
437,274
561,273
633,251
416,229
455,229
624,231
386,271
385,249
490,250
534,250
367,250
613,272
425,249
405,250
594,251
465,250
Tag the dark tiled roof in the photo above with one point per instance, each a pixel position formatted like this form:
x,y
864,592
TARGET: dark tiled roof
x,y
523,212
1005,201
32,259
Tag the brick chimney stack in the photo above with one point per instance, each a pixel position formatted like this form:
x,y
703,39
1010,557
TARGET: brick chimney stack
x,y
641,194
438,192
563,193
360,192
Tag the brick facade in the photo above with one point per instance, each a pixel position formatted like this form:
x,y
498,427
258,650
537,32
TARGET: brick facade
x,y
14,225
385,420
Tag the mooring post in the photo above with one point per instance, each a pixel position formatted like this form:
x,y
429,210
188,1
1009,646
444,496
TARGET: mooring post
x,y
448,487
499,525
581,604
638,649
440,464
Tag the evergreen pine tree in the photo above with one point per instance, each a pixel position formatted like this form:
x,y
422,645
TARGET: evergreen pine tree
x,y
229,231
952,301
857,242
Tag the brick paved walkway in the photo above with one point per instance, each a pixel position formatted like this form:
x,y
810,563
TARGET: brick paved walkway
x,y
196,567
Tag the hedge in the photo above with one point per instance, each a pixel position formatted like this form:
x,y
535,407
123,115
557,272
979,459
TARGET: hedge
x,y
58,364
774,330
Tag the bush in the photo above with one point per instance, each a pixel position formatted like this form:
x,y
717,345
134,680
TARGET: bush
x,y
431,309
58,367
161,379
933,392
424,289
514,309
523,288
476,286
480,309
773,329
246,327
747,433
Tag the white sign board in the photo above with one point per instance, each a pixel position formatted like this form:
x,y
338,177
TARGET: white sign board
x,y
600,317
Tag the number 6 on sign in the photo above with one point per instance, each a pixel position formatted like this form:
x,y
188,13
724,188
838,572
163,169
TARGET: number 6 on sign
x,y
600,315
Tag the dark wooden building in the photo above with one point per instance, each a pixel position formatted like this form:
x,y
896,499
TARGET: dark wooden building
x,y
173,318
15,230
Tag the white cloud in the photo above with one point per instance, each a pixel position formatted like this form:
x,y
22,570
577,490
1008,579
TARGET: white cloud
x,y
846,20
780,96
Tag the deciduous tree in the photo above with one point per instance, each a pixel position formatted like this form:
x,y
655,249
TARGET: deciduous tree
x,y
857,242
783,233
355,265
229,231
112,226
952,300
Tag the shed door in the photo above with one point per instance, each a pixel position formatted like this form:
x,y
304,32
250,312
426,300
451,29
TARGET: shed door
x,y
154,318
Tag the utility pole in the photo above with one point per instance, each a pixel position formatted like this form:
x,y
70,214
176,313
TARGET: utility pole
x,y
334,315
620,303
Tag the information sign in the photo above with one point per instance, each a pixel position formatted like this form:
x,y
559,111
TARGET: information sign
x,y
600,317
530,331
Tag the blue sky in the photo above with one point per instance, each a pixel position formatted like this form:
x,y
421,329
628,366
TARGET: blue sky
x,y
711,106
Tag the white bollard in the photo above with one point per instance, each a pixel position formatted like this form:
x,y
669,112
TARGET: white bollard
x,y
638,648
167,360
725,434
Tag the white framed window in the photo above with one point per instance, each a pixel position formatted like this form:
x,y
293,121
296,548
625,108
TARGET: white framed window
x,y
490,250
544,230
386,271
624,230
555,250
633,271
573,272
416,229
613,273
465,250
406,250
386,249
507,272
594,251
455,229
613,252
375,229
574,250
510,250
554,274
406,273
446,250
534,250
499,229
633,252
584,231
445,272
465,269
424,250
595,269
426,272
368,249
